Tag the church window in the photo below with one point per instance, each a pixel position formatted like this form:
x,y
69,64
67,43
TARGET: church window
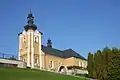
x,y
24,39
51,64
36,60
80,63
36,39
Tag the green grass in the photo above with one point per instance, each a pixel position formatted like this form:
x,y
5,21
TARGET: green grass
x,y
28,74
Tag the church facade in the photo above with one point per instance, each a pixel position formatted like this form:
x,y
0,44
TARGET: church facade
x,y
45,57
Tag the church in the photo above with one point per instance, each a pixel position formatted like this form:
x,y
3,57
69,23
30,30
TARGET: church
x,y
45,57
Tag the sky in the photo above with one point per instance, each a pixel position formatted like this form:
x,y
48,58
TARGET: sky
x,y
82,25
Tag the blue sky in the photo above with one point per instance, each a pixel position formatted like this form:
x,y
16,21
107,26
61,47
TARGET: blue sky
x,y
83,25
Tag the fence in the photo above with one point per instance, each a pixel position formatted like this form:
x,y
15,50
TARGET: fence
x,y
8,56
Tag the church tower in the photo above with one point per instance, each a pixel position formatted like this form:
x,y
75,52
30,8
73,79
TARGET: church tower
x,y
30,44
49,43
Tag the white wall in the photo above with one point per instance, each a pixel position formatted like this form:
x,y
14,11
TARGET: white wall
x,y
78,71
20,64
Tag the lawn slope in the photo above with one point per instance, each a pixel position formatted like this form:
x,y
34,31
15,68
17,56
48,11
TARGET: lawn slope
x,y
28,74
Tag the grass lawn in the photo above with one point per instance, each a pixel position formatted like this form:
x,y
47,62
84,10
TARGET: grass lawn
x,y
28,74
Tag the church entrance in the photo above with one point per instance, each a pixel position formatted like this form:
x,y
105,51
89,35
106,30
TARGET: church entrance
x,y
62,69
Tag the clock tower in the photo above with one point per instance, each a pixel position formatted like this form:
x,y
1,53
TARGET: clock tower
x,y
30,44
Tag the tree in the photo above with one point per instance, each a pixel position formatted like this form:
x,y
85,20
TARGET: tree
x,y
90,64
105,64
114,64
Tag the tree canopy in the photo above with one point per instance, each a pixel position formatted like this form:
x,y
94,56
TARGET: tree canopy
x,y
104,64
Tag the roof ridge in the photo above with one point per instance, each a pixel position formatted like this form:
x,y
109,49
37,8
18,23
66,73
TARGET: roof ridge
x,y
52,48
61,53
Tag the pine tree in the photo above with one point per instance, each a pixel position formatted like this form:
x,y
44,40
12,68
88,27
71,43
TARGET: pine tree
x,y
114,64
90,64
105,64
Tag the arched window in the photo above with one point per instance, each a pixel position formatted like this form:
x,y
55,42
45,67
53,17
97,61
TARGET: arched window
x,y
80,63
36,59
51,64
36,39
24,39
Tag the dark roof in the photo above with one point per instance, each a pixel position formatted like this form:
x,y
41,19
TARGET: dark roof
x,y
19,33
30,26
30,22
71,53
61,53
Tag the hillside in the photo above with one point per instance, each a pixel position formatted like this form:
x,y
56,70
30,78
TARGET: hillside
x,y
28,74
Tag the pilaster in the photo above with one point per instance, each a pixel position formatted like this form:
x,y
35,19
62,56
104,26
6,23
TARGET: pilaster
x,y
40,52
32,48
28,52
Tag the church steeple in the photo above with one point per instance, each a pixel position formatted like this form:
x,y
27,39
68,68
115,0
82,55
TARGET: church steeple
x,y
30,22
30,18
28,38
49,43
